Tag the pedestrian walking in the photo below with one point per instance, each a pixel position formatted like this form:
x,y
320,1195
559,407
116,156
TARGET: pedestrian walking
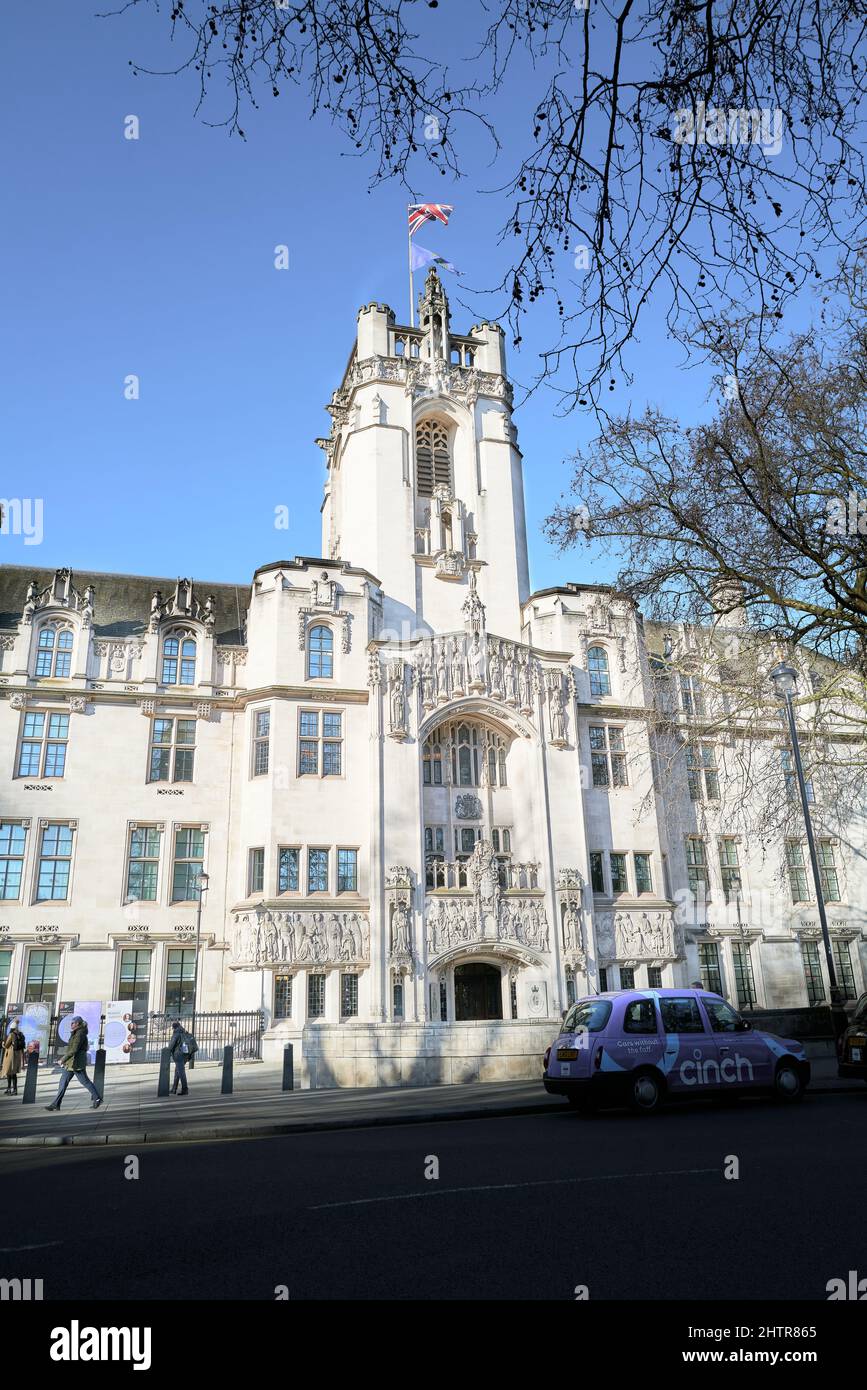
x,y
13,1058
182,1046
74,1064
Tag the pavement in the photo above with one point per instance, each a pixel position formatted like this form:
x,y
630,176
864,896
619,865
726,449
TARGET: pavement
x,y
132,1113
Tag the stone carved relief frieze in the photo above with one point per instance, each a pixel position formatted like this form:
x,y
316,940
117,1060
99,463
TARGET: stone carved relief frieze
x,y
637,936
455,921
458,664
118,658
274,937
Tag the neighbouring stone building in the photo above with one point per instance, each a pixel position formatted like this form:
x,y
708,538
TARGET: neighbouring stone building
x,y
423,795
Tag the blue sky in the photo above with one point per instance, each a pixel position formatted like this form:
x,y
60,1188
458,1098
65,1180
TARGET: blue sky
x,y
156,257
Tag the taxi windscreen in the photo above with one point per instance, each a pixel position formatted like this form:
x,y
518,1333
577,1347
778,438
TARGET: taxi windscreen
x,y
589,1014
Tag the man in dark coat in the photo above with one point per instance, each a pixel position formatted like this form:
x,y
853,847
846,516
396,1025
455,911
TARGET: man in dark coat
x,y
74,1064
181,1049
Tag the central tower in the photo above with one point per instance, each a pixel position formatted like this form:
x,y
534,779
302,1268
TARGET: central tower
x,y
425,483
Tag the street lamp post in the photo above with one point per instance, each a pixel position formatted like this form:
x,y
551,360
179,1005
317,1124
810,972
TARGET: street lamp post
x,y
785,682
745,955
202,881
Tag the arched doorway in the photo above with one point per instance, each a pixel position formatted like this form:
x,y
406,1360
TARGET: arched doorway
x,y
478,992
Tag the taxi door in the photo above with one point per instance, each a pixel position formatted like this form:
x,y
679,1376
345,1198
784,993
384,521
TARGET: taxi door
x,y
691,1056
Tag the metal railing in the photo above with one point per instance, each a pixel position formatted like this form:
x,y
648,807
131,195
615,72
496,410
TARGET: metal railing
x,y
213,1032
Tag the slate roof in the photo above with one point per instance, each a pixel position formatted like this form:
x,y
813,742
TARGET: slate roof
x,y
122,602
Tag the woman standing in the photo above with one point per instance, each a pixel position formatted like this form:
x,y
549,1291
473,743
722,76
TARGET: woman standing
x,y
13,1056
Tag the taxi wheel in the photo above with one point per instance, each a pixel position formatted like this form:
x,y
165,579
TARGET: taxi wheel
x,y
645,1092
788,1085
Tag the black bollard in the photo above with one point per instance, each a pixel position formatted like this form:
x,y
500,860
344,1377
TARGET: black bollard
x,y
99,1072
30,1078
226,1083
165,1067
288,1068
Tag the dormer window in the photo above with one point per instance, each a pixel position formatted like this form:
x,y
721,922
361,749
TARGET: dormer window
x,y
179,659
432,457
320,654
597,666
54,650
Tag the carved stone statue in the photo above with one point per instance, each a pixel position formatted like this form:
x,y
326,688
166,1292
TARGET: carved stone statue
x,y
473,609
509,680
526,687
397,697
442,680
457,668
156,610
483,873
400,931
426,680
476,662
494,668
31,602
571,930
556,708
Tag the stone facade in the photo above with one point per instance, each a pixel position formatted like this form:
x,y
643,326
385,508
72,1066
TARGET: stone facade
x,y
420,792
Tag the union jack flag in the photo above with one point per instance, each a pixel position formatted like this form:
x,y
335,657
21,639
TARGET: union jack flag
x,y
419,213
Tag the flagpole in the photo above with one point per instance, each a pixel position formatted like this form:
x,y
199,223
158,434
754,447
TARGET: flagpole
x,y
409,259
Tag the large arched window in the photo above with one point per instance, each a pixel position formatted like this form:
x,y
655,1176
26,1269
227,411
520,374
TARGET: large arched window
x,y
54,650
432,457
465,756
597,665
320,653
179,659
472,754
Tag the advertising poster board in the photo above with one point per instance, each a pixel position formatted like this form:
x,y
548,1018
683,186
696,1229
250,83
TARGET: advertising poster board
x,y
120,1030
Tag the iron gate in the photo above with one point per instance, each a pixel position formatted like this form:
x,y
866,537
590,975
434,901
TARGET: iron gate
x,y
213,1032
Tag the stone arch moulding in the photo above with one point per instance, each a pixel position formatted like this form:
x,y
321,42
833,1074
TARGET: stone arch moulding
x,y
490,952
508,720
453,414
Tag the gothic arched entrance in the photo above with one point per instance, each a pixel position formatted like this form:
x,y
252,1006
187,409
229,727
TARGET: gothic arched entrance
x,y
478,992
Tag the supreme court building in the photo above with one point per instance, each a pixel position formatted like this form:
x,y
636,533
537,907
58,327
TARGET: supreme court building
x,y
422,794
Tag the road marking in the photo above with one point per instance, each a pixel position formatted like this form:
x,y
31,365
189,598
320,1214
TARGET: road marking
x,y
12,1249
510,1186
